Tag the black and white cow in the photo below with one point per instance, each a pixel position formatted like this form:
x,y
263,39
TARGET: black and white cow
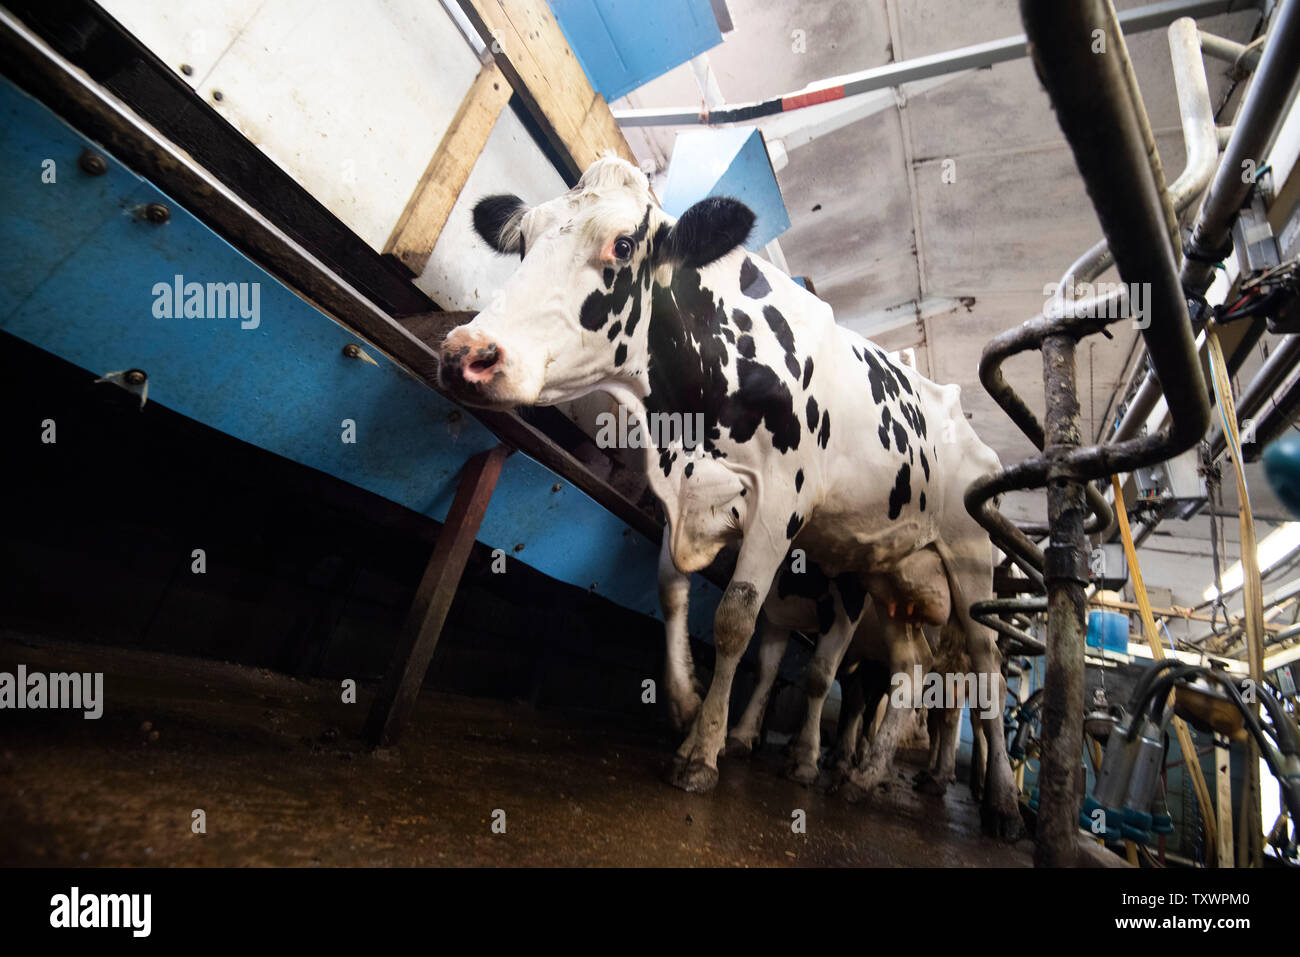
x,y
813,436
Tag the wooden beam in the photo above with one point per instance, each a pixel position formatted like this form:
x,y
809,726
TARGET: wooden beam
x,y
423,626
418,227
535,57
1168,613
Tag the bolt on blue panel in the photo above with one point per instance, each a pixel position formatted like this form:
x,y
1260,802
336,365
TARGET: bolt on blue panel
x,y
728,162
622,44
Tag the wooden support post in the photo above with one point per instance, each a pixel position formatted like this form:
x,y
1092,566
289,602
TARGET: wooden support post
x,y
535,57
423,626
416,232
1223,798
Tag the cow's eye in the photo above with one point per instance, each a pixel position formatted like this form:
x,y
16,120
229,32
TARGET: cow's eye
x,y
623,248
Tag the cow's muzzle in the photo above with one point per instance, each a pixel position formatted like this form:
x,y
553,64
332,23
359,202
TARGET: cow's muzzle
x,y
470,366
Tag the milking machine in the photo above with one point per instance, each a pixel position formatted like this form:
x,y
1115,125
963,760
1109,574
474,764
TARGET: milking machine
x,y
1126,803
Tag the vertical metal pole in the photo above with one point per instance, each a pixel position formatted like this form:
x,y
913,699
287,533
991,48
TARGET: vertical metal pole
x,y
1065,575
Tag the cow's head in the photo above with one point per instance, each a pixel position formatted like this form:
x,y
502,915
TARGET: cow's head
x,y
570,319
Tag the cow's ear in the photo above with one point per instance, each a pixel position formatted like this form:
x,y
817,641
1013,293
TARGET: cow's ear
x,y
707,231
496,219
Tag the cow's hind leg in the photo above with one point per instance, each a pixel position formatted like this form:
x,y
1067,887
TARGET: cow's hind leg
x,y
905,652
945,735
743,737
817,683
853,709
978,758
1000,811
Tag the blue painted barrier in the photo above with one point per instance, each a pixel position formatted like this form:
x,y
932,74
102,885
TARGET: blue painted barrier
x,y
86,276
622,44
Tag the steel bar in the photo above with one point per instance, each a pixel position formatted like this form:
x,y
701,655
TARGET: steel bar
x,y
972,57
1239,55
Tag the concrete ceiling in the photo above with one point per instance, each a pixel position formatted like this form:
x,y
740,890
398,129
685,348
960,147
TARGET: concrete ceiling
x,y
875,225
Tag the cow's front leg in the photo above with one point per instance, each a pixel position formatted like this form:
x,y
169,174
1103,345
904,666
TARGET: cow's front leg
x,y
679,668
696,764
744,736
821,672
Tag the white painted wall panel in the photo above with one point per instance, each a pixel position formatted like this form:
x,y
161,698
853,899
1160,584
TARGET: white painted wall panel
x,y
350,97
463,272
193,32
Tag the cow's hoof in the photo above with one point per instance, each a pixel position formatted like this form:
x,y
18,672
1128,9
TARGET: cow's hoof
x,y
694,776
801,773
851,791
1004,824
738,747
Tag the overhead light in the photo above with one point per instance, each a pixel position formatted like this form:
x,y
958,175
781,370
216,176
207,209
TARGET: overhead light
x,y
1271,551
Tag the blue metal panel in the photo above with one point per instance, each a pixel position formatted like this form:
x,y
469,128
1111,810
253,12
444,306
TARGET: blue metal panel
x,y
622,44
728,162
78,279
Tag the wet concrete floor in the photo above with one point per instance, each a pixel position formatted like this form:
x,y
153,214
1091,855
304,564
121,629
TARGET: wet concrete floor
x,y
277,767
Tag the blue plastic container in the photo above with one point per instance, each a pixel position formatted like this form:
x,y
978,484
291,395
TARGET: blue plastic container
x,y
1108,630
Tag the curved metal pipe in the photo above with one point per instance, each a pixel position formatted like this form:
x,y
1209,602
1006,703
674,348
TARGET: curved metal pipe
x,y
1261,113
1200,139
1201,142
1103,123
1257,120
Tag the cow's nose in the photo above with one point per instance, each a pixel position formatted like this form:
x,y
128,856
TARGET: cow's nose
x,y
469,359
484,363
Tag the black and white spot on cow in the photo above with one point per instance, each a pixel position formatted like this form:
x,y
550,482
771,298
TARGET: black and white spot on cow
x,y
901,493
925,465
760,398
784,337
798,480
807,371
885,426
792,527
882,380
824,433
752,281
599,306
898,373
900,437
812,414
